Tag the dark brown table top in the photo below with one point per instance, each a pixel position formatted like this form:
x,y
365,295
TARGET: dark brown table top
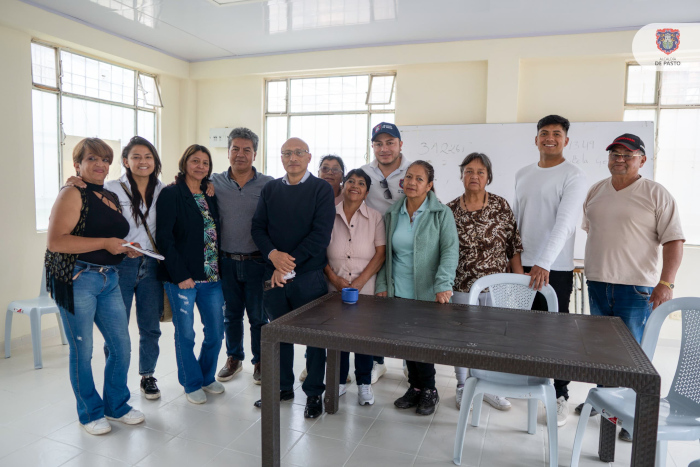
x,y
560,345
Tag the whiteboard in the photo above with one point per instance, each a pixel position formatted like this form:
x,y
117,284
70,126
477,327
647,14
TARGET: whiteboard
x,y
511,146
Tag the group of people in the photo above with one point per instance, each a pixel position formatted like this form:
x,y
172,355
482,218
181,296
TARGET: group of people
x,y
242,242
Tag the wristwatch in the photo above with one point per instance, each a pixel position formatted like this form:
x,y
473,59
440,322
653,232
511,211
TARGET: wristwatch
x,y
667,284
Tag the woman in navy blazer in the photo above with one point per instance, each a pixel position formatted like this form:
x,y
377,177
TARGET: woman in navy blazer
x,y
187,231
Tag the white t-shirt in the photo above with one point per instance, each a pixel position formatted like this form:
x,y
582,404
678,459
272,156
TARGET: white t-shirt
x,y
625,230
136,234
547,208
376,198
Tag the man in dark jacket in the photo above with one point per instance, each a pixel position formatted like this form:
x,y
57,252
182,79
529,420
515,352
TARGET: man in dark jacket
x,y
292,229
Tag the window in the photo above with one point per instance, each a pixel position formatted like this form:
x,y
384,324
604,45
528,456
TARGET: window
x,y
334,115
671,99
74,97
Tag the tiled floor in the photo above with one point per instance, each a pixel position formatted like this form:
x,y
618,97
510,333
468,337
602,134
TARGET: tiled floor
x,y
39,427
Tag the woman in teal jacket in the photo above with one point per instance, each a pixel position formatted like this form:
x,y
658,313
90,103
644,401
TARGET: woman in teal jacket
x,y
422,250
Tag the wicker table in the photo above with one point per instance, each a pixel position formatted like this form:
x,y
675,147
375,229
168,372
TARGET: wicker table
x,y
572,347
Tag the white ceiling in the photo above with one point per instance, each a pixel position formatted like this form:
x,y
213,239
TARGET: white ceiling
x,y
197,30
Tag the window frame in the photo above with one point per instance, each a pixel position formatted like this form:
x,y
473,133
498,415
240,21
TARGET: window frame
x,y
288,113
58,90
657,107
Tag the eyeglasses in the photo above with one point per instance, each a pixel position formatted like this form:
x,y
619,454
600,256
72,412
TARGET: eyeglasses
x,y
334,170
297,152
387,192
627,157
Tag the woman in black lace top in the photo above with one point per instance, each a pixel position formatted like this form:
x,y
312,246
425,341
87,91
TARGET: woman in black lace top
x,y
85,243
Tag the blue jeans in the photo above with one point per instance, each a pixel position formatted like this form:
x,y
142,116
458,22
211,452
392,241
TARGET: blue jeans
x,y
279,301
243,291
137,276
192,372
629,302
97,301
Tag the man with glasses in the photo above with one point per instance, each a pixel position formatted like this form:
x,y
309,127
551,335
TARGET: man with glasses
x,y
627,218
386,170
292,228
242,265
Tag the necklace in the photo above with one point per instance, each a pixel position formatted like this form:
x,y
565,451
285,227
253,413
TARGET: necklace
x,y
464,202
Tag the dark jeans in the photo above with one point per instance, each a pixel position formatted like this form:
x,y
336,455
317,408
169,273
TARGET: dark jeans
x,y
629,302
363,368
279,301
242,283
563,283
421,375
137,277
379,360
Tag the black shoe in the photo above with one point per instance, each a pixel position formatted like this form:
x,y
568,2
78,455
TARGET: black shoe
x,y
257,374
578,410
408,400
428,401
284,396
149,387
314,407
625,435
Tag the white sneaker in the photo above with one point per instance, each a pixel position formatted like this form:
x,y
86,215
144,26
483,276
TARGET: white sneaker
x,y
214,388
562,411
303,375
97,427
378,370
342,389
497,402
133,417
365,396
458,397
196,397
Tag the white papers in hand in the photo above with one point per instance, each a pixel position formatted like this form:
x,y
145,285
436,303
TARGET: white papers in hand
x,y
150,253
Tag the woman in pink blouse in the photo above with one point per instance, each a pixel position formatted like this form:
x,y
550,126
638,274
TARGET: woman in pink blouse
x,y
355,255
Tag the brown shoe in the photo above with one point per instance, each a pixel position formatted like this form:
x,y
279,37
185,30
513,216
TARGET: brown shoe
x,y
256,374
231,367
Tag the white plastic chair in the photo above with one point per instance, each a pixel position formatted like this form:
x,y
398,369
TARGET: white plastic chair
x,y
679,411
509,291
34,307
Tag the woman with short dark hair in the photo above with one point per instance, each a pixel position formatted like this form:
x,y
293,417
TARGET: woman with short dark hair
x,y
332,169
489,242
187,228
85,244
355,255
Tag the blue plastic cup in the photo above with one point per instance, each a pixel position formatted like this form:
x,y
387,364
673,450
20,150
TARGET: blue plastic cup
x,y
350,295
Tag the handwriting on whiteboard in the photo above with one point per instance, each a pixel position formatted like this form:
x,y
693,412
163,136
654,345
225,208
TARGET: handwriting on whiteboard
x,y
427,149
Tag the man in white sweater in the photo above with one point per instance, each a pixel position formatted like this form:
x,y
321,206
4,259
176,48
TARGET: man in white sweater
x,y
548,199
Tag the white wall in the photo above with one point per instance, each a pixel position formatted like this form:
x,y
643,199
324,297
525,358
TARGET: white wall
x,y
21,246
505,80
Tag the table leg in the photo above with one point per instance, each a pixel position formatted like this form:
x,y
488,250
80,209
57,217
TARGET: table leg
x,y
270,422
332,380
606,440
646,423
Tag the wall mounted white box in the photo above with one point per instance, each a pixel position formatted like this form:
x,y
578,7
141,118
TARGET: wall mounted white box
x,y
218,137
